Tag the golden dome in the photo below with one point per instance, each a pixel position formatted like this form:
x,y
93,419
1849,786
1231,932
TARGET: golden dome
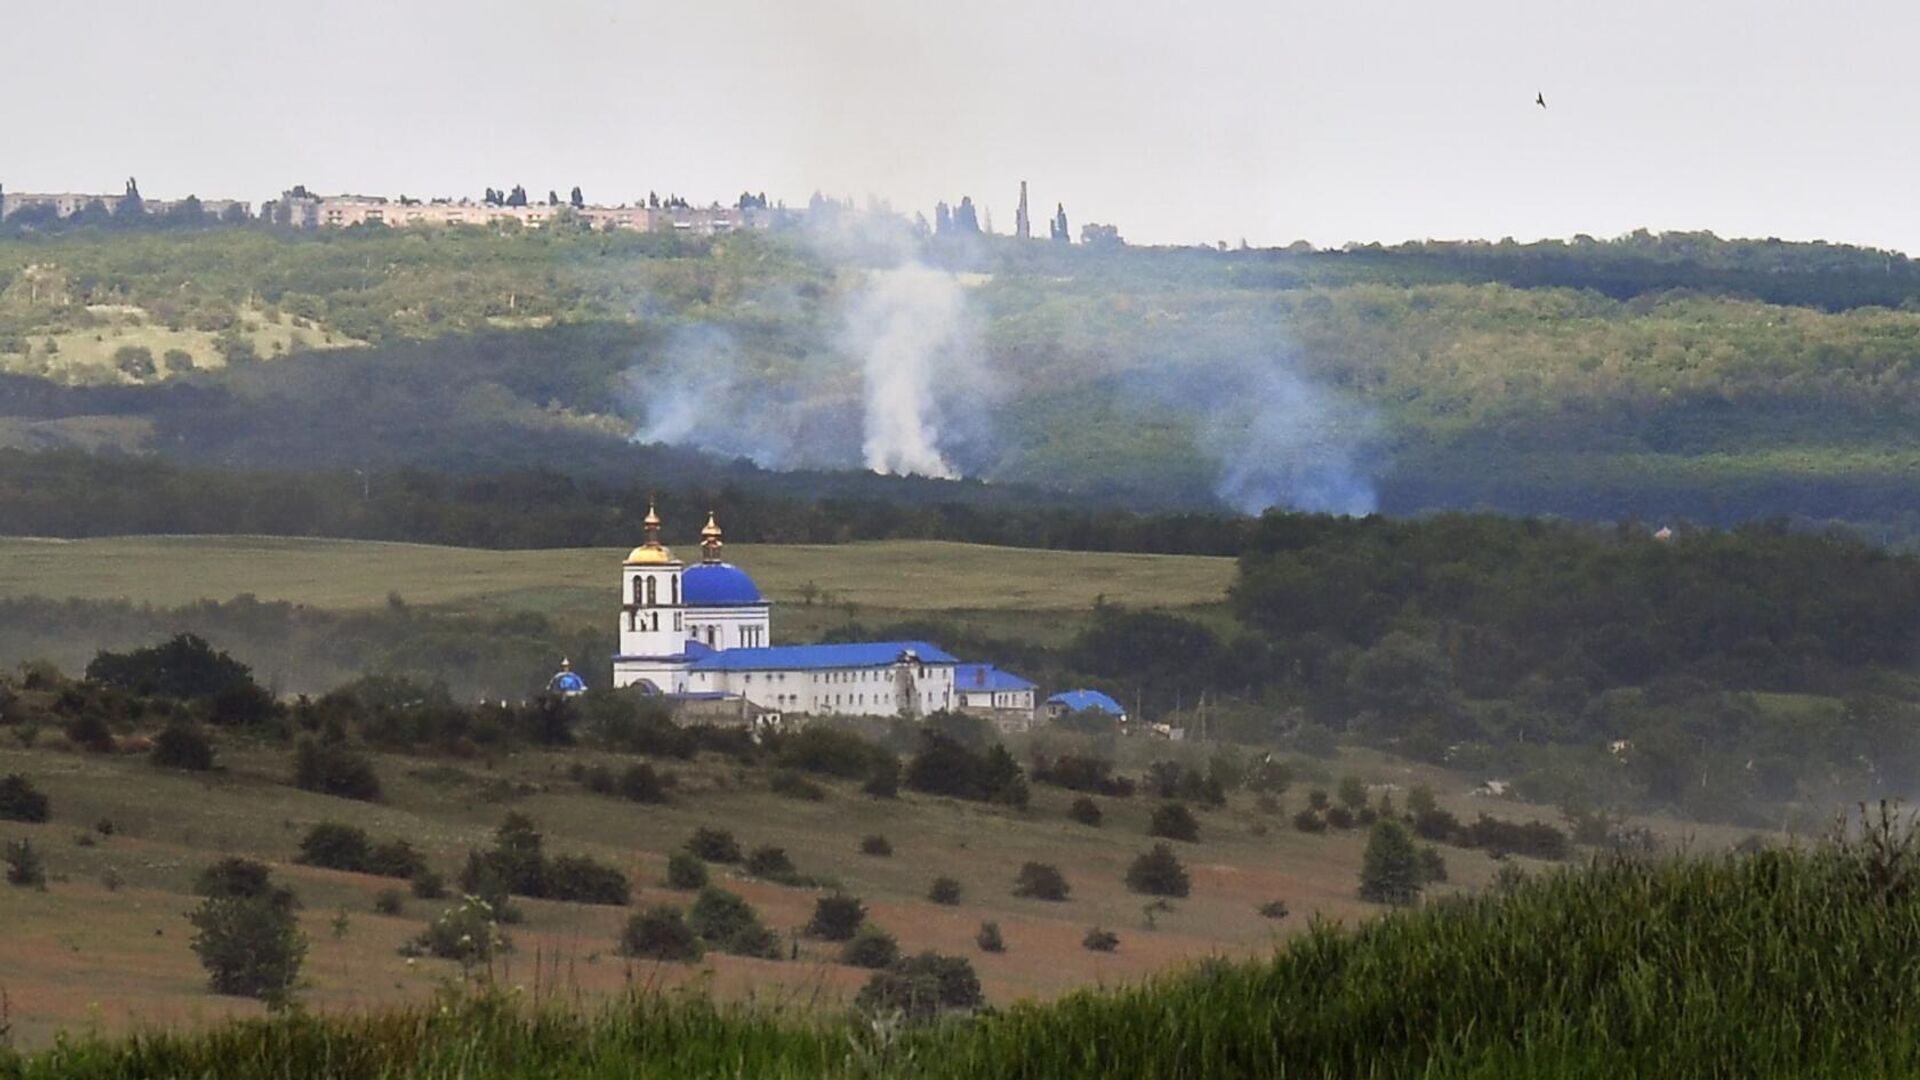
x,y
649,555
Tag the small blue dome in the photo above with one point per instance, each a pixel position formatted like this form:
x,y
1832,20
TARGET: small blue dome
x,y
567,683
717,585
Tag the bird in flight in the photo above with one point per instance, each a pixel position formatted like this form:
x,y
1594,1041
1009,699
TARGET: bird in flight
x,y
1540,99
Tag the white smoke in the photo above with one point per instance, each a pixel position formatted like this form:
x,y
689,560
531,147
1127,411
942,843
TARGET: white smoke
x,y
1282,441
908,327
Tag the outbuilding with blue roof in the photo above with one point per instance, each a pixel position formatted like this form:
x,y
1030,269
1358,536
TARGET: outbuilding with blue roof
x,y
1073,701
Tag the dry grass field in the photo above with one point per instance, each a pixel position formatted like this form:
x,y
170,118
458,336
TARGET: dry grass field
x,y
107,943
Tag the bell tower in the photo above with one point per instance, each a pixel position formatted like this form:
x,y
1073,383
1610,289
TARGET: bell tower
x,y
652,617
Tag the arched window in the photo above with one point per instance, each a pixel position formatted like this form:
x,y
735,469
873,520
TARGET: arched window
x,y
653,593
676,589
638,595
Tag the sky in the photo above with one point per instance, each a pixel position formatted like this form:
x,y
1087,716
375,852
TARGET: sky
x,y
1264,120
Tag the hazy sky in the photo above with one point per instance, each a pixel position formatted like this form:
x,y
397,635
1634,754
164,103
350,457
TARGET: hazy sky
x,y
1199,121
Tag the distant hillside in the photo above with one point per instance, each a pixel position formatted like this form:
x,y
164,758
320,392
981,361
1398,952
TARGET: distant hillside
x,y
1674,376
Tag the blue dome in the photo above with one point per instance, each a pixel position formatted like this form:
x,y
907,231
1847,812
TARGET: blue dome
x,y
717,585
567,683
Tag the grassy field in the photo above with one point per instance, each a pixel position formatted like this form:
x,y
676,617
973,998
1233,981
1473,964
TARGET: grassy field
x,y
1036,592
107,944
85,353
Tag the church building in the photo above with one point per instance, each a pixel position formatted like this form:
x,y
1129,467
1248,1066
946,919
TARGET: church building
x,y
704,632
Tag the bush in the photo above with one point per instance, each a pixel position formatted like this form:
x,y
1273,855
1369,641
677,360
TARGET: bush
x,y
1088,774
714,845
945,890
181,745
1390,870
1275,909
959,986
1353,793
1041,881
1433,823
580,880
944,766
1433,868
1317,799
333,768
89,731
21,801
335,847
920,987
989,938
686,871
396,859
833,752
250,947
1175,822
872,947
1309,822
466,932
1339,817
428,885
235,878
1158,872
885,781
1098,940
772,864
792,785
1085,811
876,845
1534,839
728,923
25,866
639,783
836,918
389,902
661,933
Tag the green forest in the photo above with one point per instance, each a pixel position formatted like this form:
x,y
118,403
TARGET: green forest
x,y
1675,377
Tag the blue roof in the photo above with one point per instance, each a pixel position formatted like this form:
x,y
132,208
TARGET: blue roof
x,y
1081,700
717,585
803,657
987,677
567,683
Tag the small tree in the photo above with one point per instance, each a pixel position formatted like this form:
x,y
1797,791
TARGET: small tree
x,y
876,845
836,918
661,933
581,880
714,845
728,923
872,948
21,801
945,890
1390,872
1175,822
334,768
246,936
1085,811
335,847
989,938
25,866
772,864
640,783
181,745
686,871
1158,872
1041,881
1098,940
467,932
884,783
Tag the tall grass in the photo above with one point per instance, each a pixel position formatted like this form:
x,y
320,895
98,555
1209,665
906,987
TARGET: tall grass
x,y
1785,963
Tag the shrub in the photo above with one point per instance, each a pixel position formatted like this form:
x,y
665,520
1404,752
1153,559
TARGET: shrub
x,y
89,731
1085,811
1309,822
945,890
714,845
466,932
333,768
686,871
944,766
1158,872
21,801
1420,801
959,986
396,859
792,785
821,749
885,781
1098,940
235,878
1317,799
1339,817
1275,909
580,880
1534,839
772,864
1390,870
1433,868
728,923
1041,881
1089,774
920,987
639,783
661,933
872,947
428,885
335,847
836,917
389,902
876,845
1175,822
250,947
989,938
25,866
1352,793
181,745
1433,823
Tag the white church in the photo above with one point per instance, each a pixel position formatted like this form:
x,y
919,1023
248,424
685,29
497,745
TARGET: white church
x,y
704,632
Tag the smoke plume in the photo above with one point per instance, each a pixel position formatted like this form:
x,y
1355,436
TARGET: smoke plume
x,y
1281,441
907,327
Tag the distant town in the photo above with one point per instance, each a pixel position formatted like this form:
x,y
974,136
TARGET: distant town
x,y
300,208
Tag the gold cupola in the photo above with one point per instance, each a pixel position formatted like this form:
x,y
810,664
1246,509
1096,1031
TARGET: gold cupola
x,y
710,541
651,553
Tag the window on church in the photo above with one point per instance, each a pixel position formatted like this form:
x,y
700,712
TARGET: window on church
x,y
639,595
676,590
653,594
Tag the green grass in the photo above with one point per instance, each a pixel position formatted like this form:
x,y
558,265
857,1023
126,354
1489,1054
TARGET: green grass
x,y
905,576
1784,964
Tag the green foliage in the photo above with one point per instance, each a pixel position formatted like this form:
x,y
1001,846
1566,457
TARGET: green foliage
x,y
795,786
1041,881
685,870
1085,811
1391,870
236,878
772,864
1275,909
714,845
1157,872
1080,773
390,902
944,890
989,938
21,801
661,933
819,748
182,745
1307,821
336,847
727,922
919,988
245,933
836,917
185,666
581,880
25,866
334,768
1175,822
1099,940
427,885
946,767
872,948
467,932
875,844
